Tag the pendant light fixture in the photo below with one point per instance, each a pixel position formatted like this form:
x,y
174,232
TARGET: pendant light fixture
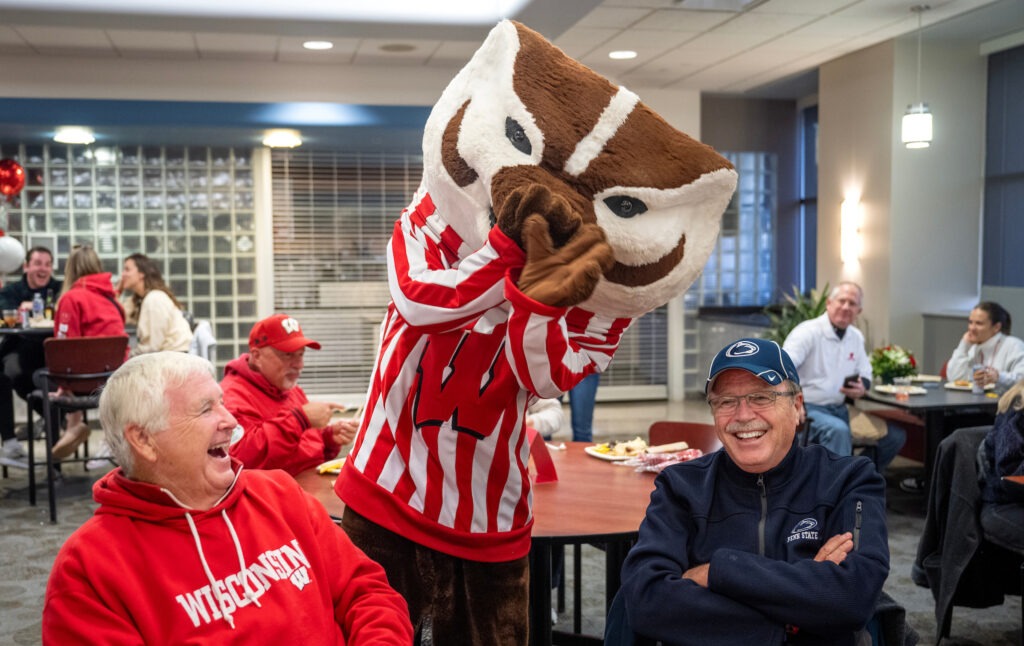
x,y
917,122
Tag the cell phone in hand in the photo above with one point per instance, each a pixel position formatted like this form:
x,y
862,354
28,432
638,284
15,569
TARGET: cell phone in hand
x,y
851,381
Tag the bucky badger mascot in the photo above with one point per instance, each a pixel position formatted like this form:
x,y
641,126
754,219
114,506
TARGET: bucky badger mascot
x,y
554,209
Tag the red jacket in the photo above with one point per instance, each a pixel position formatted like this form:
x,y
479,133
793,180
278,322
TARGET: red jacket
x,y
89,308
266,565
278,435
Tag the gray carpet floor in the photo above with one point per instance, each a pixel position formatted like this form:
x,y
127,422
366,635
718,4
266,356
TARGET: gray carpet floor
x,y
30,544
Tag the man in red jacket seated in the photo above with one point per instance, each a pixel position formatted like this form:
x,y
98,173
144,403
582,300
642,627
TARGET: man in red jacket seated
x,y
187,546
282,429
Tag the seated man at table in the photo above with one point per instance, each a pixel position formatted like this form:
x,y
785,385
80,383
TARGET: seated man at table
x,y
828,352
766,541
187,547
282,429
22,355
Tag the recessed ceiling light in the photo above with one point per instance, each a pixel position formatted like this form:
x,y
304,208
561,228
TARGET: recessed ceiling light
x,y
622,55
318,44
73,135
397,48
282,139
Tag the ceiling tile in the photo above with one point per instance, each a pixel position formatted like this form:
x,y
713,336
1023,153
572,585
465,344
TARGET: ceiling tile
x,y
453,54
809,7
684,20
64,37
579,41
613,17
229,45
127,39
369,52
765,24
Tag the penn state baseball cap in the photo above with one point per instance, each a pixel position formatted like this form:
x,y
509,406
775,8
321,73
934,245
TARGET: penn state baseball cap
x,y
760,357
280,331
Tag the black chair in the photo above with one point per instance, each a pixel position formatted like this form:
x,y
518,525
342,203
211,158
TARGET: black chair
x,y
954,559
79,367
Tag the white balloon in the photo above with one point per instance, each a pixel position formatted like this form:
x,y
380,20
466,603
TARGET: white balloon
x,y
12,254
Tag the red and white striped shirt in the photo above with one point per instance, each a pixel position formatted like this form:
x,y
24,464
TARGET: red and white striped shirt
x,y
441,455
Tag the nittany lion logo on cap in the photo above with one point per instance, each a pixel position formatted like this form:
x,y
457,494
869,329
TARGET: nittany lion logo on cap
x,y
742,349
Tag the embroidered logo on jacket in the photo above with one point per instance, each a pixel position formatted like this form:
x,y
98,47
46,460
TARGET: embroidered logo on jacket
x,y
287,563
806,529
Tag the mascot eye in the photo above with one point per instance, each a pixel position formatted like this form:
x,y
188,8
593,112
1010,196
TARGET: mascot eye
x,y
515,133
625,207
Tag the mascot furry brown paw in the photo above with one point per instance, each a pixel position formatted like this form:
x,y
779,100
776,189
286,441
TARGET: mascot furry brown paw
x,y
554,209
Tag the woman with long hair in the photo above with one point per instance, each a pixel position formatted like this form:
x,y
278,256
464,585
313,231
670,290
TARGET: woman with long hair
x,y
153,307
87,306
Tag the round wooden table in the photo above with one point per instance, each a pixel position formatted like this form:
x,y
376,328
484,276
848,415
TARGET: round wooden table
x,y
593,501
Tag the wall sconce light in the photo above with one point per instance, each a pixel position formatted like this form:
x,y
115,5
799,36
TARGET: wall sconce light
x,y
849,232
916,128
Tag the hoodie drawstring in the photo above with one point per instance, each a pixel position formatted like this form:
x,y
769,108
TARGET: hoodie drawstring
x,y
243,572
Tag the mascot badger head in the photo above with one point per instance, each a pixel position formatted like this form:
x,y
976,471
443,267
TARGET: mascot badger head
x,y
523,129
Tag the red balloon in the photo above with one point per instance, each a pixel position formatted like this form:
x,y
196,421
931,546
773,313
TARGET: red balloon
x,y
12,177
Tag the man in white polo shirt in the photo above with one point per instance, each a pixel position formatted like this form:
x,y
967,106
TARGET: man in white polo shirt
x,y
829,354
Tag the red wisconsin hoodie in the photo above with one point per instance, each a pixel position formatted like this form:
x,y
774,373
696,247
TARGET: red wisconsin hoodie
x,y
266,565
89,308
277,434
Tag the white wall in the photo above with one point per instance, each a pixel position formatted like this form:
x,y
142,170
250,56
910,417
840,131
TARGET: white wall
x,y
854,153
921,208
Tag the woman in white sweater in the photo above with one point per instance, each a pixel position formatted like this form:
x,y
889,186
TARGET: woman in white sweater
x,y
153,308
987,353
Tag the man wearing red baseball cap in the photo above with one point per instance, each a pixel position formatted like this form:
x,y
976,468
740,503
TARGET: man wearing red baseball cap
x,y
282,429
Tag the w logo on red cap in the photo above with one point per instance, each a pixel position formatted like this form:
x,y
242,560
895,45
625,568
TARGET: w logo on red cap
x,y
290,325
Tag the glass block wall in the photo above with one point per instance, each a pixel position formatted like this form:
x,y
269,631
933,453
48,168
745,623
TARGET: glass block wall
x,y
741,269
189,208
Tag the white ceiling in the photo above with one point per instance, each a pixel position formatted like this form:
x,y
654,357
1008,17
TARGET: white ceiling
x,y
719,51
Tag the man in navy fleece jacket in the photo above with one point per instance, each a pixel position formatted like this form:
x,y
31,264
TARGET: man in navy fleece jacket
x,y
765,541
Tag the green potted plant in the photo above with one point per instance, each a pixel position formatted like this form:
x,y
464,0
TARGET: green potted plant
x,y
797,309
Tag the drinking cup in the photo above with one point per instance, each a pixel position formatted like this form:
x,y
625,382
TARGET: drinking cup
x,y
976,388
11,318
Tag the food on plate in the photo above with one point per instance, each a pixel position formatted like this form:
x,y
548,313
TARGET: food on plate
x,y
632,447
963,383
331,466
668,448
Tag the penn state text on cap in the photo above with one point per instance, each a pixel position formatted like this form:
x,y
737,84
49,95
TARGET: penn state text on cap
x,y
281,332
760,357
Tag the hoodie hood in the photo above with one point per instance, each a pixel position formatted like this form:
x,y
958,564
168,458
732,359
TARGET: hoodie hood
x,y
100,283
120,496
240,368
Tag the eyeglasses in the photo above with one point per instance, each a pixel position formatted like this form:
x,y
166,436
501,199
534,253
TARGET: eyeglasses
x,y
758,401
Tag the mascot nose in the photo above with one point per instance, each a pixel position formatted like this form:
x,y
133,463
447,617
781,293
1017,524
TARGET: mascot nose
x,y
518,192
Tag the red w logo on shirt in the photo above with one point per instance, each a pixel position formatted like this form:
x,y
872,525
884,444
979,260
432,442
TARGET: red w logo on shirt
x,y
464,378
